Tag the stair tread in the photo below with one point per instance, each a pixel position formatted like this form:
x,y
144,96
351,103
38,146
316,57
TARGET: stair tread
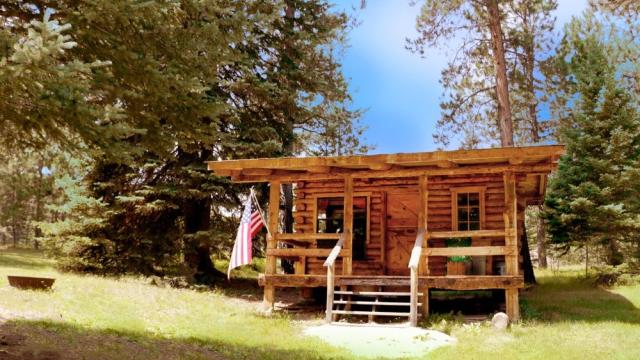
x,y
374,293
382,303
378,313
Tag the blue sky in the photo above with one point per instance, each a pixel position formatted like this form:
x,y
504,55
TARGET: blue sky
x,y
400,90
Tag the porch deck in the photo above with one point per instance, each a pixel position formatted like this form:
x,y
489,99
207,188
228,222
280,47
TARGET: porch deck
x,y
460,282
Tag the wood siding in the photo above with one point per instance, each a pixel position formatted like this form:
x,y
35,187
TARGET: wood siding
x,y
393,205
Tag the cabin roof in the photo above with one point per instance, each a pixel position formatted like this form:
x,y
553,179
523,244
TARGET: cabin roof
x,y
528,159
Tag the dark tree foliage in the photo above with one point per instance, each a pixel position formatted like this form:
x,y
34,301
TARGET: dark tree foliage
x,y
187,82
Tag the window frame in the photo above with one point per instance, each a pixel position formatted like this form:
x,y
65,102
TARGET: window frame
x,y
454,204
366,195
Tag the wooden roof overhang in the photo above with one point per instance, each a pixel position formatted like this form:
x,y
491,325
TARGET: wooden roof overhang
x,y
533,160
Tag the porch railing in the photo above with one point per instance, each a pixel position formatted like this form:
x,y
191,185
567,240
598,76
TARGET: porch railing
x,y
414,263
330,264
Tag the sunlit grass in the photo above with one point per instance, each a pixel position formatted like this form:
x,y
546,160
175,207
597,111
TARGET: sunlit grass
x,y
565,317
131,307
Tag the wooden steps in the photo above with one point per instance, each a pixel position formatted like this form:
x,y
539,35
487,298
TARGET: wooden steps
x,y
381,303
375,313
373,293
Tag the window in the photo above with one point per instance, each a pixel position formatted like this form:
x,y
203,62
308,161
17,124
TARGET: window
x,y
468,209
330,219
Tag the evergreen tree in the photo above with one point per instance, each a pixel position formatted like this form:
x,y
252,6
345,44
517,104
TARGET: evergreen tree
x,y
593,200
192,81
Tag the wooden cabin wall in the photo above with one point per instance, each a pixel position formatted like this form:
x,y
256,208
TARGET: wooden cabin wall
x,y
439,214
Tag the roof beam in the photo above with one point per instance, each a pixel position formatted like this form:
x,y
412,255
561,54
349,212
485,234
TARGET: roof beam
x,y
287,176
495,155
380,167
446,164
257,172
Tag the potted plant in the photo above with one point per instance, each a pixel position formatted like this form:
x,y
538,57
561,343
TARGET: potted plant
x,y
457,265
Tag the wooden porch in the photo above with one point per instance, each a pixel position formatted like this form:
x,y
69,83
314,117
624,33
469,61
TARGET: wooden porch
x,y
412,272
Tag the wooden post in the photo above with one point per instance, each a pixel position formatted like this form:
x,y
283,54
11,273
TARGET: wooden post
x,y
331,270
511,243
413,307
423,219
414,261
347,261
274,221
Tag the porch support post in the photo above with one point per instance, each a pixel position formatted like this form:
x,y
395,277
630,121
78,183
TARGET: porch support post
x,y
511,243
347,261
423,268
274,221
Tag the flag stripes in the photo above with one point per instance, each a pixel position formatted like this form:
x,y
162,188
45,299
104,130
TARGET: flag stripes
x,y
250,224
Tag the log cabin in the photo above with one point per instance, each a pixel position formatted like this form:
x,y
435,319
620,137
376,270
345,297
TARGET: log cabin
x,y
381,230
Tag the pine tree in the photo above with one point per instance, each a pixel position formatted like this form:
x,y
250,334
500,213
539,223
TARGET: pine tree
x,y
43,92
591,201
192,81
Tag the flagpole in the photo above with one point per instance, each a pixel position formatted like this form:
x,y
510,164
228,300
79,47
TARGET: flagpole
x,y
253,196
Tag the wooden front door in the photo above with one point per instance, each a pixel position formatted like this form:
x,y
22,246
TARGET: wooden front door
x,y
402,227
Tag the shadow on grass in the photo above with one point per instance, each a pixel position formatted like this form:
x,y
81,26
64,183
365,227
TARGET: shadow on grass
x,y
243,288
24,259
568,297
27,339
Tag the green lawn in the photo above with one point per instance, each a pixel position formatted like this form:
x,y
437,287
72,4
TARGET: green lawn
x,y
94,317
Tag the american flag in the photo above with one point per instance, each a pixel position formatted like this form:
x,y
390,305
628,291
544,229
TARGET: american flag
x,y
250,224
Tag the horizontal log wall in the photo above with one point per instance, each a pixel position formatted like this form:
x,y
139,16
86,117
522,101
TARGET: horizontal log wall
x,y
439,215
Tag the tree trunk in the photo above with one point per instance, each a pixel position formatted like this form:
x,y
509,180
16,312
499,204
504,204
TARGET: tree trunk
x,y
287,189
502,84
197,253
527,266
614,255
541,237
38,215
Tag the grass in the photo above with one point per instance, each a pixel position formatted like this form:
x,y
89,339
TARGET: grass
x,y
565,317
154,322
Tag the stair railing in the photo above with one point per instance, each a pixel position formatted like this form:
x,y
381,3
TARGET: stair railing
x,y
414,262
330,264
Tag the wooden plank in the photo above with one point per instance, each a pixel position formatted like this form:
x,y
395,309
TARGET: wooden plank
x,y
423,268
377,313
373,293
296,252
307,237
289,176
381,303
472,282
512,304
348,226
291,280
471,156
330,289
416,252
335,252
466,282
413,299
469,251
383,229
373,281
472,233
510,223
274,221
